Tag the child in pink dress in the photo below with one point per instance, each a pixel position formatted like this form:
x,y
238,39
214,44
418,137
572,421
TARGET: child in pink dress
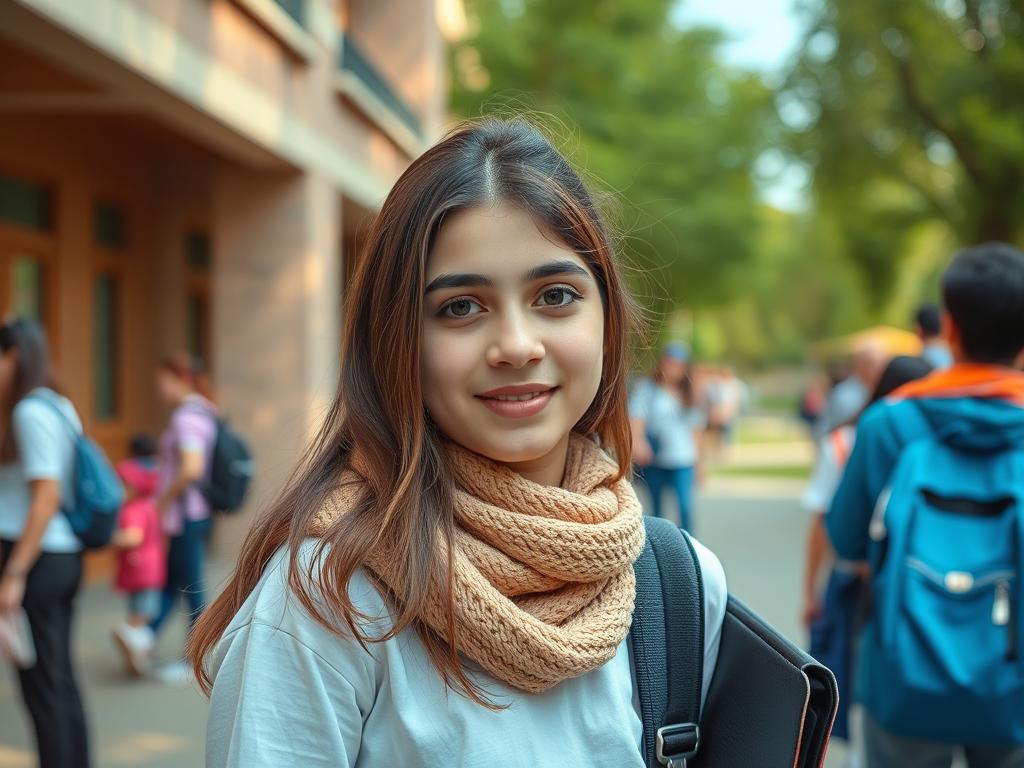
x,y
142,564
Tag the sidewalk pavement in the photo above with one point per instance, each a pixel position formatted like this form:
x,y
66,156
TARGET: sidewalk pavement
x,y
132,723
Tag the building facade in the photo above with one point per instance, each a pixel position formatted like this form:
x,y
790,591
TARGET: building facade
x,y
196,175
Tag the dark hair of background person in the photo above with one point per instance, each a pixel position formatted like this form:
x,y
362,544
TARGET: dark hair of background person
x,y
929,320
33,370
379,410
685,388
983,291
190,370
901,370
142,447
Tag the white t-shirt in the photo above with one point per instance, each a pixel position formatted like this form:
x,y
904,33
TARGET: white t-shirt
x,y
833,452
46,451
288,693
669,422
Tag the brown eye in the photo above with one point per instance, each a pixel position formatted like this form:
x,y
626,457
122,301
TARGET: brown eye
x,y
558,297
460,308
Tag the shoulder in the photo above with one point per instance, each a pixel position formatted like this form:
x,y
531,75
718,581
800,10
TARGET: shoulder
x,y
276,607
193,417
885,423
44,409
716,588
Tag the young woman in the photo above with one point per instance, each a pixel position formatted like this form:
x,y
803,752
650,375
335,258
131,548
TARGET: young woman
x,y
452,566
184,455
40,556
667,425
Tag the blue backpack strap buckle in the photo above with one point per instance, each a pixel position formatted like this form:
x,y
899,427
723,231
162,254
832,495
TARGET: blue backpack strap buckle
x,y
676,744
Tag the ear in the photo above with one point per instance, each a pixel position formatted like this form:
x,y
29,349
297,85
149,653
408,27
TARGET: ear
x,y
951,335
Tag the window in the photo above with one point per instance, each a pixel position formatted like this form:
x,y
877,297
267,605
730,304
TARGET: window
x,y
197,250
198,262
27,281
106,349
109,225
25,204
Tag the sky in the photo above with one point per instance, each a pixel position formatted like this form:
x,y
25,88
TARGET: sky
x,y
762,34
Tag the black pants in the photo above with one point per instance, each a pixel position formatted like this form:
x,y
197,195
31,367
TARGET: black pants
x,y
49,688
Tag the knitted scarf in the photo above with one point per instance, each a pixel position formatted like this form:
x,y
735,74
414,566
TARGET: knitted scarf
x,y
543,577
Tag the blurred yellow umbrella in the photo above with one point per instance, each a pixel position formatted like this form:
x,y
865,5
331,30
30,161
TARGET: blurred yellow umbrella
x,y
891,340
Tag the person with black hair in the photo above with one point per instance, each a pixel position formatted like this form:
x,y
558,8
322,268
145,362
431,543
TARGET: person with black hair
x,y
932,496
928,324
833,587
40,556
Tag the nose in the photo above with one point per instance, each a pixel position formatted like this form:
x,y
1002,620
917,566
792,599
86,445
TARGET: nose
x,y
516,344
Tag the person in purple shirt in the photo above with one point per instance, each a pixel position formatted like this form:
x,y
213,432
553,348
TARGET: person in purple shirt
x,y
184,456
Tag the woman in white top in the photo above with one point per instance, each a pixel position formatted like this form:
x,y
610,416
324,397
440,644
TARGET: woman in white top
x,y
667,426
448,580
40,555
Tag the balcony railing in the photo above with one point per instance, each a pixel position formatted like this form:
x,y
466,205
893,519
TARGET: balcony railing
x,y
353,62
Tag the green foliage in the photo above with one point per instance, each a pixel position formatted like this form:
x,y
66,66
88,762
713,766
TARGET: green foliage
x,y
911,112
908,113
656,121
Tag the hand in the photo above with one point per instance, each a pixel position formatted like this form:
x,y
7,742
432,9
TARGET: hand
x,y
12,592
812,611
702,474
642,453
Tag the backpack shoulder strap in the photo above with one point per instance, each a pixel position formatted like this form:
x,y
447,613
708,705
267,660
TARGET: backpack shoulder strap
x,y
667,641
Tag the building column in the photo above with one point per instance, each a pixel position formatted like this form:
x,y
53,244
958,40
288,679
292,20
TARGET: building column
x,y
276,314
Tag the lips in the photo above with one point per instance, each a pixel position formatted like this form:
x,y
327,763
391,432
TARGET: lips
x,y
518,401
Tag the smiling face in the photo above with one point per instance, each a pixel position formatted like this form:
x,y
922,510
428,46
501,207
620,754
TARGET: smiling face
x,y
513,339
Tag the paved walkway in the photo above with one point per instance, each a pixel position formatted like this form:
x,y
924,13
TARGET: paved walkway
x,y
755,526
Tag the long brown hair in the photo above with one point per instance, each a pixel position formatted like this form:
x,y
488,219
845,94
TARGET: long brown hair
x,y
379,406
33,370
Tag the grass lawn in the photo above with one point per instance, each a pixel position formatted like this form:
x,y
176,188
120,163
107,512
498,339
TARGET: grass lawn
x,y
782,472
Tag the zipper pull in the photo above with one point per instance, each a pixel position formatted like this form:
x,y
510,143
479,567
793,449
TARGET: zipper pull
x,y
1001,605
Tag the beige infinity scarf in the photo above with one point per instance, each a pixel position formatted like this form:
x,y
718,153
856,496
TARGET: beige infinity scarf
x,y
543,576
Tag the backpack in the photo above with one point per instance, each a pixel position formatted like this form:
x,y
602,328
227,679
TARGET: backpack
x,y
98,493
947,591
231,468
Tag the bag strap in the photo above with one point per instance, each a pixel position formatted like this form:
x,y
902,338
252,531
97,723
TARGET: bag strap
x,y
667,639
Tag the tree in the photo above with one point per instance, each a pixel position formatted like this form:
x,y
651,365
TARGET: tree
x,y
652,118
911,112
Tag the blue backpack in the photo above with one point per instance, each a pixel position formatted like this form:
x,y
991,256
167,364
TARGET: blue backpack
x,y
98,493
948,615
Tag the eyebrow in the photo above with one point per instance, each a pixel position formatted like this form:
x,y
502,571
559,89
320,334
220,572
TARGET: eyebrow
x,y
471,280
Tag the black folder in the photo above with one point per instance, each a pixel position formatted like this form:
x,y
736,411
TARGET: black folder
x,y
770,704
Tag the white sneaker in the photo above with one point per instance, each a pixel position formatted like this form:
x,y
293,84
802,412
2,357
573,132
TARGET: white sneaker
x,y
175,673
135,643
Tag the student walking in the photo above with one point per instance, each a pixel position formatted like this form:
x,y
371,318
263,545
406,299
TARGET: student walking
x,y
453,564
667,423
40,556
834,588
185,452
933,495
142,564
